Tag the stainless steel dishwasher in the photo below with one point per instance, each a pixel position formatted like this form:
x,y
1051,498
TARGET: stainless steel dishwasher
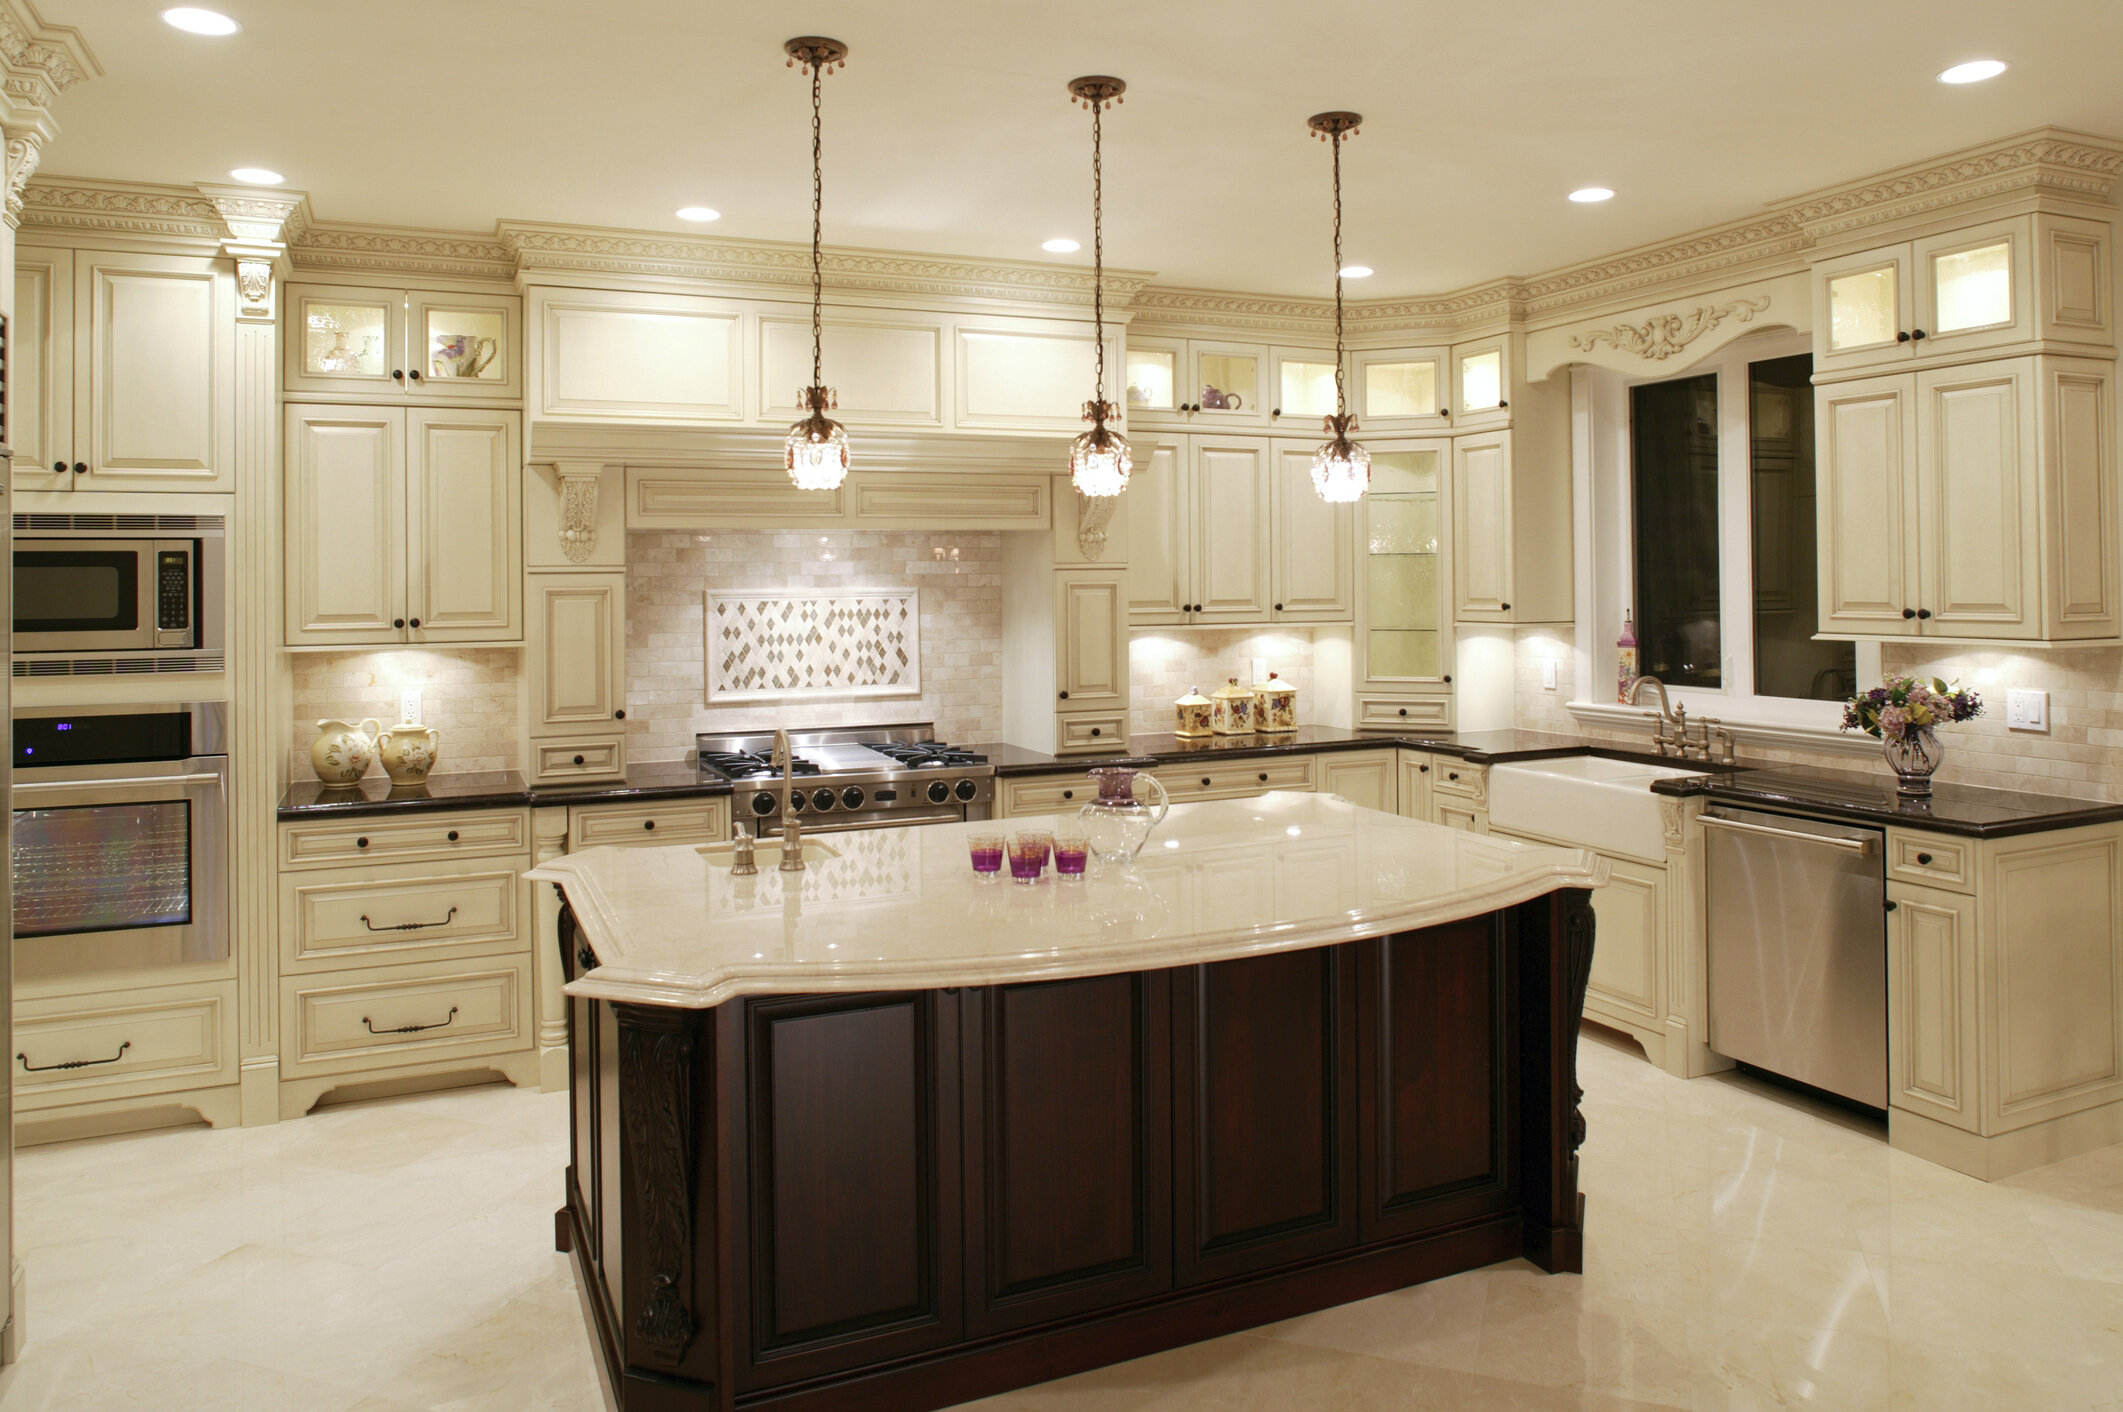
x,y
1798,949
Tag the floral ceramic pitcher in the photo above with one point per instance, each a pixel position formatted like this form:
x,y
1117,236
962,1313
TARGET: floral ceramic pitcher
x,y
409,751
342,754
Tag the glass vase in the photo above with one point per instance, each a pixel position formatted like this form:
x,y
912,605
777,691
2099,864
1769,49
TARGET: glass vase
x,y
1914,759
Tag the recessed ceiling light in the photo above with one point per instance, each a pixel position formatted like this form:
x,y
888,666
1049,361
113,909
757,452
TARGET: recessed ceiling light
x,y
1356,272
257,176
1586,195
194,21
1060,245
1974,71
699,213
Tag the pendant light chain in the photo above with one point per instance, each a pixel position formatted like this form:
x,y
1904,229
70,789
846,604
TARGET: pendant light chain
x,y
1341,402
818,200
1098,242
816,450
1100,459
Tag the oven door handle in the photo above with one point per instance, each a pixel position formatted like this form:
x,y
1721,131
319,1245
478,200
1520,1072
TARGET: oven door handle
x,y
74,786
1860,846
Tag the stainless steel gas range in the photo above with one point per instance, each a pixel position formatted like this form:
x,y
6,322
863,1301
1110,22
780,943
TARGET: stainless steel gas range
x,y
863,777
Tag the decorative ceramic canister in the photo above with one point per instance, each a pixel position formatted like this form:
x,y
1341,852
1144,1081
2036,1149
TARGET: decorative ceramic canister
x,y
409,751
1231,710
1275,706
1194,709
342,754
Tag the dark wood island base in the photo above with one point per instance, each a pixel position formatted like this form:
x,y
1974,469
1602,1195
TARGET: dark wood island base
x,y
901,1200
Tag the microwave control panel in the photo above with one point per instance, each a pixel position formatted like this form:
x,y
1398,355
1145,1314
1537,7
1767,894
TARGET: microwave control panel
x,y
173,590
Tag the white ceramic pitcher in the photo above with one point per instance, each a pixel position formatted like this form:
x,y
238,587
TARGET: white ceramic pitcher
x,y
342,754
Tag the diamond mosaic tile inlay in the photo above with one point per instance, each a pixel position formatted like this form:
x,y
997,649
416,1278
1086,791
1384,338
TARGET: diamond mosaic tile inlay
x,y
778,646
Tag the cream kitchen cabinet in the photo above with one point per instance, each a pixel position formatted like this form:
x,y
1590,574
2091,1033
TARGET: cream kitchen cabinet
x,y
1404,638
1413,792
1511,533
575,675
1978,290
124,371
353,342
1402,389
1091,660
1481,383
1199,548
404,525
1366,777
608,355
1313,574
1206,384
1459,795
1970,502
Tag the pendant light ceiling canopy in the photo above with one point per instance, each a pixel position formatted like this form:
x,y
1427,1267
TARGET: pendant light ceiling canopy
x,y
1341,470
816,453
1100,459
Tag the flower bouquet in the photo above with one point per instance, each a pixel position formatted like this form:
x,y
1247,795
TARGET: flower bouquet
x,y
1902,714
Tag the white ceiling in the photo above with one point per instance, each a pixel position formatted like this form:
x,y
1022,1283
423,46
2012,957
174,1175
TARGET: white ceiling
x,y
950,130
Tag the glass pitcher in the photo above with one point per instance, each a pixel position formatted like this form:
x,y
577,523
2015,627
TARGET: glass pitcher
x,y
1117,823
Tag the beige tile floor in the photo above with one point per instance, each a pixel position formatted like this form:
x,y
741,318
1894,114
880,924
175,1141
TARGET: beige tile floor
x,y
1744,1250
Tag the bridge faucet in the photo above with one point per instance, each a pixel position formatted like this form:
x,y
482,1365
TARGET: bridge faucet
x,y
1658,732
791,830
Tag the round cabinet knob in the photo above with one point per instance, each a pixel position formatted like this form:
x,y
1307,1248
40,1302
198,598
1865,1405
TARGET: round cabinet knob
x,y
398,375
414,374
1264,776
1423,769
648,825
80,468
1902,337
763,803
416,622
1506,608
397,622
453,835
1923,612
823,799
59,466
1452,774
965,790
1278,607
1923,858
1909,612
619,715
1065,696
1890,906
578,759
1275,412
852,797
1205,781
1917,334
1404,710
1096,732
1068,794
1448,679
1499,401
361,843
939,792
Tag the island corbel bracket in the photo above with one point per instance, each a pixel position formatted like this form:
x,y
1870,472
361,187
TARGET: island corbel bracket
x,y
656,1050
1555,939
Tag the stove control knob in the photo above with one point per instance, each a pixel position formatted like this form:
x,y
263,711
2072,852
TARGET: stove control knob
x,y
798,801
965,790
939,792
852,797
821,799
762,803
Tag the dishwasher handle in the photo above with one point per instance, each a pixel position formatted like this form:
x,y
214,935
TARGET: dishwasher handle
x,y
1860,846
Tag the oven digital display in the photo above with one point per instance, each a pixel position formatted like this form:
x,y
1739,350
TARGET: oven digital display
x,y
102,740
102,868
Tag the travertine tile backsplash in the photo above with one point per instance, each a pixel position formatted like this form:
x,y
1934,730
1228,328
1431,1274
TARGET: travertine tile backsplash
x,y
669,571
469,695
1164,663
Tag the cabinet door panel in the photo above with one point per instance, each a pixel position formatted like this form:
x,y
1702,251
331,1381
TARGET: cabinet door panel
x,y
344,341
883,374
1232,560
1976,500
464,347
1629,913
464,536
1366,778
664,359
853,1147
40,378
1093,646
1315,546
1415,786
1264,1105
1068,1146
1160,538
1481,528
578,668
345,564
2079,478
1863,306
1866,514
154,378
1931,1000
1026,381
1974,287
1436,1080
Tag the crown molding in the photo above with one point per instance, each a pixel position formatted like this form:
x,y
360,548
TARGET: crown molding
x,y
127,208
40,61
343,246
2051,159
646,254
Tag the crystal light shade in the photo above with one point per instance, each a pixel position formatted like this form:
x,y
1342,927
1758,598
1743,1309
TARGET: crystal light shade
x,y
1100,459
1341,470
816,453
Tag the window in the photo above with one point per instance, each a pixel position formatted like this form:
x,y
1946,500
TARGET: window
x,y
1702,526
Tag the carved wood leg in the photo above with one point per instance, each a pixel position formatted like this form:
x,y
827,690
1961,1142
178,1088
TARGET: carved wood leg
x,y
1555,937
657,1115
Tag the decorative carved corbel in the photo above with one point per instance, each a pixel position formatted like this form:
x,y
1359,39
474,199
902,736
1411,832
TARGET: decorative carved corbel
x,y
257,221
578,508
1093,514
1670,816
1579,927
24,148
656,1112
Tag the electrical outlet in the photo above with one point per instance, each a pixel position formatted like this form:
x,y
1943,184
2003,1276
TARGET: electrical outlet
x,y
1548,674
2027,711
409,706
1260,669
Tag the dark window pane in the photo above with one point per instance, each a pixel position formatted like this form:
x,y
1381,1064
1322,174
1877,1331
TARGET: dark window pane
x,y
1674,450
1787,661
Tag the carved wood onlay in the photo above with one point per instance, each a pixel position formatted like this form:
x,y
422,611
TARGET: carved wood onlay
x,y
1579,928
1665,335
1093,514
578,508
656,1113
1671,813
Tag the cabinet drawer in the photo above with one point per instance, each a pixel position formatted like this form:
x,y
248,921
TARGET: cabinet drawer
x,y
680,821
1415,712
559,761
125,1044
1449,776
1098,730
404,1015
1238,778
1045,794
423,836
415,912
1931,861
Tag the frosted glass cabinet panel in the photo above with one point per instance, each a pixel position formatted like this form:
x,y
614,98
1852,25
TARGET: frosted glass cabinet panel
x,y
1404,624
1153,378
1228,382
1974,287
1401,388
1864,308
1974,290
465,343
346,340
1482,381
1304,387
350,342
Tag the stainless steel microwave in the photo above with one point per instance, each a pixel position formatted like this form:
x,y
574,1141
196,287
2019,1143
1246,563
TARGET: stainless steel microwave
x,y
90,584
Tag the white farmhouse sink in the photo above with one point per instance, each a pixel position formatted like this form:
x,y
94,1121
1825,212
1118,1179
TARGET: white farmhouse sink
x,y
1588,800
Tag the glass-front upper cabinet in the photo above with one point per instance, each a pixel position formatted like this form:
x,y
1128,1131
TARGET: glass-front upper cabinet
x,y
1303,387
1966,291
1481,386
356,343
1229,383
1398,389
1973,287
1404,623
1154,376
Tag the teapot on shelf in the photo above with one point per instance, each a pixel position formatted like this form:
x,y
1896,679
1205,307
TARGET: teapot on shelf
x,y
1219,401
341,754
1116,824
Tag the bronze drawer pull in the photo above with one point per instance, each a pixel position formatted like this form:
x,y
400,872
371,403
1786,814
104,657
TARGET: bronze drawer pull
x,y
448,1019
30,1068
1264,776
408,926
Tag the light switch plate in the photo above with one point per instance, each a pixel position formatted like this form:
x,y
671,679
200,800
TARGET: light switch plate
x,y
1548,674
409,705
2027,710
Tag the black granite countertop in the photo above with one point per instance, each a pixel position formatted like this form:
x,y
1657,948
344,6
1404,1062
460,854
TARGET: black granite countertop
x,y
655,779
1849,796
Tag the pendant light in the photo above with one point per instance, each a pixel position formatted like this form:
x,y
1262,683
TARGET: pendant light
x,y
816,453
1341,470
1099,459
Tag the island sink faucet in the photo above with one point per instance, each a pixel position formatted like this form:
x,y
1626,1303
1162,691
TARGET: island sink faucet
x,y
1709,741
792,831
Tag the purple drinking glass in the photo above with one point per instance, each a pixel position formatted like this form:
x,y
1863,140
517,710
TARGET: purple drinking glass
x,y
987,851
1071,852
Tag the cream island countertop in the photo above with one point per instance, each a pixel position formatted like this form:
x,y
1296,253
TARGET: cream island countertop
x,y
901,909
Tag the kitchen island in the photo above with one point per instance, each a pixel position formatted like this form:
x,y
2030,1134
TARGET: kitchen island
x,y
880,1135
